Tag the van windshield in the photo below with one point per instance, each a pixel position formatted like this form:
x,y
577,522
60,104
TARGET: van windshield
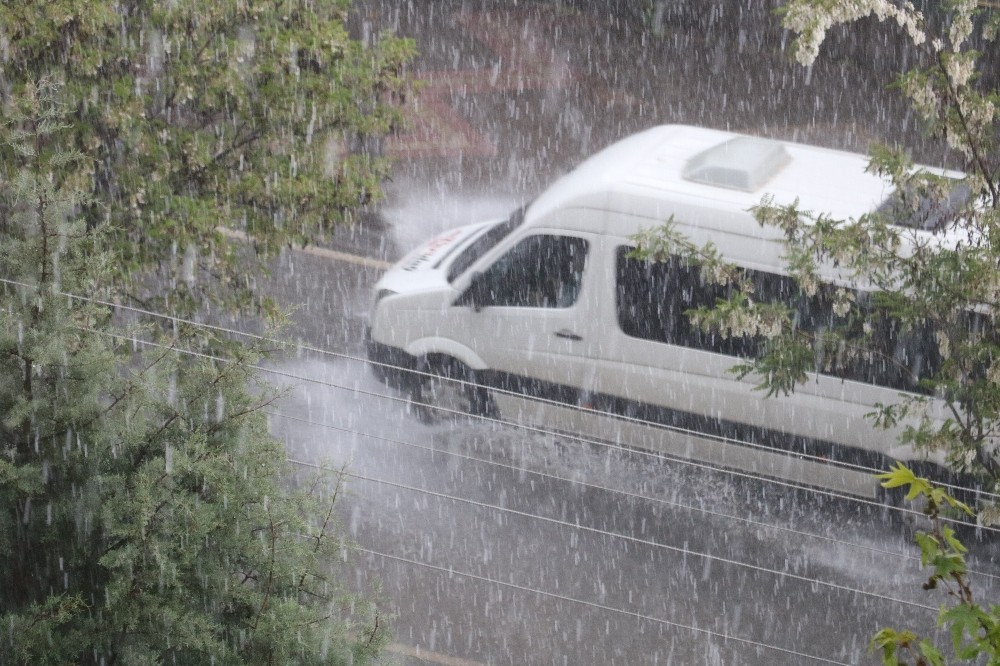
x,y
911,208
485,243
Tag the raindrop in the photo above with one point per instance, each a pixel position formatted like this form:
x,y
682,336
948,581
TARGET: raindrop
x,y
188,267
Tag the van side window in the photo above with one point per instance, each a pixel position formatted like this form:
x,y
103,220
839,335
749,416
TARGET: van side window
x,y
539,272
652,298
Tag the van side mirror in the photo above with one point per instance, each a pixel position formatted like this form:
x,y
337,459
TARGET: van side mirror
x,y
475,293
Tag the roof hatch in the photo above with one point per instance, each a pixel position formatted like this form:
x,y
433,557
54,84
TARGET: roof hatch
x,y
744,163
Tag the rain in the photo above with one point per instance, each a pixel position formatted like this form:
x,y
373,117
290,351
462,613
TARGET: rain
x,y
529,534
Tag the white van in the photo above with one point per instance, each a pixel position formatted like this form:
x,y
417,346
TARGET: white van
x,y
549,303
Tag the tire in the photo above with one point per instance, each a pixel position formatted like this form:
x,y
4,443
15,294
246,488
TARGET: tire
x,y
449,392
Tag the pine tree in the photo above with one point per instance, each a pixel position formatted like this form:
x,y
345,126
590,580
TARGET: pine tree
x,y
143,516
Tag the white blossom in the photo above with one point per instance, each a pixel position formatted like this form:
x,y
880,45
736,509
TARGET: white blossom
x,y
808,283
812,20
993,373
842,300
944,344
961,23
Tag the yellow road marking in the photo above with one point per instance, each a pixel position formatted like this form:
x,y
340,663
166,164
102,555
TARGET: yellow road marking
x,y
326,253
427,655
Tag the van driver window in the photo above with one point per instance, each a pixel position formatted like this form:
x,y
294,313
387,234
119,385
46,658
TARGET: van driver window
x,y
539,272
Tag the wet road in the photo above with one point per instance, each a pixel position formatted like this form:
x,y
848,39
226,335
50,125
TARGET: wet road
x,y
493,544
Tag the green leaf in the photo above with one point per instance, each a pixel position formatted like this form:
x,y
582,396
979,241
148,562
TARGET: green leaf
x,y
952,541
931,653
898,475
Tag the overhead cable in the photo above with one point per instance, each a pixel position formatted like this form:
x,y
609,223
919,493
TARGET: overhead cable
x,y
420,373
631,539
617,491
603,607
528,428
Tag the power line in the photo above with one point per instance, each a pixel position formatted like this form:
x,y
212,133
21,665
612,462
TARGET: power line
x,y
636,540
617,491
620,417
610,446
603,607
528,428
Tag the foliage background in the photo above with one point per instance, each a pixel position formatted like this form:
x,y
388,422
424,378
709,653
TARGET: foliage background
x,y
145,512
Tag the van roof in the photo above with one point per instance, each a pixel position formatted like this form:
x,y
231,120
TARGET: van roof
x,y
735,172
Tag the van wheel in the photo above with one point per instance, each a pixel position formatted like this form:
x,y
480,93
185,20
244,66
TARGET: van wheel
x,y
449,392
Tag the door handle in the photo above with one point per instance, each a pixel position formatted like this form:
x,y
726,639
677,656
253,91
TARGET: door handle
x,y
568,334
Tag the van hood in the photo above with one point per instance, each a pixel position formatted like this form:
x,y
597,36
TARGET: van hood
x,y
427,265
